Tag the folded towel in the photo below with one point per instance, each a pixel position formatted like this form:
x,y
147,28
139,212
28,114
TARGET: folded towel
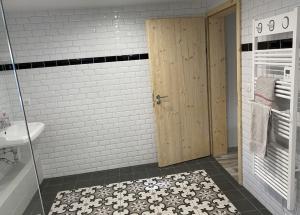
x,y
261,112
259,128
264,90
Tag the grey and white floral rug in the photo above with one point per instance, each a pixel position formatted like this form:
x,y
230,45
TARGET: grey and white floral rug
x,y
185,193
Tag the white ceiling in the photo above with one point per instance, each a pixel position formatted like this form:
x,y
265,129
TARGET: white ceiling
x,y
31,5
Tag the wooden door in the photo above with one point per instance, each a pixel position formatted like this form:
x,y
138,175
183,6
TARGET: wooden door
x,y
217,65
177,53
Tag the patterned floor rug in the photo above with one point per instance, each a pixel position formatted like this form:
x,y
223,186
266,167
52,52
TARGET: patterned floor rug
x,y
184,193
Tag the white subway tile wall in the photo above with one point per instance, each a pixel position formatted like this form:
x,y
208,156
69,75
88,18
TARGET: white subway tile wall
x,y
4,59
251,9
100,116
4,107
62,34
4,95
97,116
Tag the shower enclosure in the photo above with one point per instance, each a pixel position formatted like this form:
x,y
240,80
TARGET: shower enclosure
x,y
19,190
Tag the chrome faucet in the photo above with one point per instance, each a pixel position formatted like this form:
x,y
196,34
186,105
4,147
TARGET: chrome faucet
x,y
4,121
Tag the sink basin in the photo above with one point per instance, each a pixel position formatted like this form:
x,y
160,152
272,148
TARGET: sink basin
x,y
16,134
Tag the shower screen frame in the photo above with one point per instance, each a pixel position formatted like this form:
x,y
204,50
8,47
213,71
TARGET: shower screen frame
x,y
13,66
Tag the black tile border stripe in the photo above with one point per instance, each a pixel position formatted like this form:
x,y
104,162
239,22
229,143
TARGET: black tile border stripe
x,y
75,61
246,47
272,44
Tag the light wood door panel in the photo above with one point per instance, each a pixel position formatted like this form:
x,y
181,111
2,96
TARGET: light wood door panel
x,y
178,67
218,85
163,57
193,87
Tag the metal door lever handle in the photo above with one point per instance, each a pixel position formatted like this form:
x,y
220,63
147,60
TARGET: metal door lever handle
x,y
158,99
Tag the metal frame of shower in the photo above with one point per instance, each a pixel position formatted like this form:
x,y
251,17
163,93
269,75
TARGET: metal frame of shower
x,y
11,55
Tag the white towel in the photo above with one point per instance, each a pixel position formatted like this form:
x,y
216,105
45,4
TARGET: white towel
x,y
264,90
259,128
261,113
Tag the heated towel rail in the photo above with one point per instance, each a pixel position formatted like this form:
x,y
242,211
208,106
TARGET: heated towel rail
x,y
278,168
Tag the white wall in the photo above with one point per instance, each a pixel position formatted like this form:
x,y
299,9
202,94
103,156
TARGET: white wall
x,y
4,101
231,104
61,34
4,95
97,116
258,9
4,59
4,107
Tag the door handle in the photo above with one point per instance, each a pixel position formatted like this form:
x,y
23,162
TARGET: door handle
x,y
158,99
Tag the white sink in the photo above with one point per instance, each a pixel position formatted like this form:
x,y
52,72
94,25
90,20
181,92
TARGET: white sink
x,y
16,134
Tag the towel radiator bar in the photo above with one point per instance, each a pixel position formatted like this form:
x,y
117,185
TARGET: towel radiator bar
x,y
282,89
278,168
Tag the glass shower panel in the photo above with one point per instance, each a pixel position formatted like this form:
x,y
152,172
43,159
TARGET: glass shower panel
x,y
19,190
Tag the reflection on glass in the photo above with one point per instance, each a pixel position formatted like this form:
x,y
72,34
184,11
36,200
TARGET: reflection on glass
x,y
19,192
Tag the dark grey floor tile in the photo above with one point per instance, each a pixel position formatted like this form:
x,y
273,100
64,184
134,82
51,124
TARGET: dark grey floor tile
x,y
126,176
68,185
99,180
192,162
53,189
235,183
243,205
87,183
139,168
256,203
99,175
84,177
43,184
151,165
246,193
125,170
47,206
140,174
112,179
194,167
265,212
111,173
37,210
181,168
69,178
226,186
205,165
53,181
218,179
49,197
234,195
153,172
213,171
206,159
251,213
167,171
